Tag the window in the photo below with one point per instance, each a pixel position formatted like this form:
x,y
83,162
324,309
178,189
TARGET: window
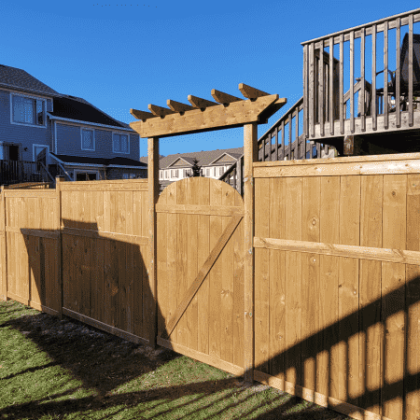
x,y
166,174
120,143
208,171
125,176
88,139
176,173
28,111
220,170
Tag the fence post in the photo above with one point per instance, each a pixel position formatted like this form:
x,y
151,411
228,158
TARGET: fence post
x,y
250,155
3,283
59,247
153,187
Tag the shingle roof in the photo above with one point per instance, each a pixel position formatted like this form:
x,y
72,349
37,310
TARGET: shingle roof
x,y
204,158
101,161
75,108
21,80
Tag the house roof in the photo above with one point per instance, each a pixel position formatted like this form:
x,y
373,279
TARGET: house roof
x,y
18,79
121,161
75,108
204,158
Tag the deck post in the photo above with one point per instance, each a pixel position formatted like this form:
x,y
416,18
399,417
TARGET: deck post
x,y
250,156
153,187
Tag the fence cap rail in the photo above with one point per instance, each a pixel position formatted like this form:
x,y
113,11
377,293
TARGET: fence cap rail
x,y
355,28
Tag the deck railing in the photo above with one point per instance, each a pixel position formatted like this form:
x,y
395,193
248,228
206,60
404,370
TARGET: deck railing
x,y
284,140
365,107
18,171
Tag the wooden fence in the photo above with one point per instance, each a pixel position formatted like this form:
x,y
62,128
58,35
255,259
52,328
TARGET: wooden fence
x,y
337,282
79,250
336,292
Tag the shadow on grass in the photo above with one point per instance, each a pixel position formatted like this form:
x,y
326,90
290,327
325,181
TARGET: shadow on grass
x,y
103,363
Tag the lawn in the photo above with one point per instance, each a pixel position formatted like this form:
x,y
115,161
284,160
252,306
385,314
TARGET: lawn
x,y
63,369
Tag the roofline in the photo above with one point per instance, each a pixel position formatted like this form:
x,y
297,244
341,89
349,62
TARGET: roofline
x,y
93,106
113,127
99,165
223,154
355,28
30,91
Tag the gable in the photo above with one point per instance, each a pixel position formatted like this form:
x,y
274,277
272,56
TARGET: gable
x,y
179,162
224,159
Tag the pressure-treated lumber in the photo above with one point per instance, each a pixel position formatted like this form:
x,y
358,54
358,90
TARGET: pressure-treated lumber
x,y
193,289
141,115
159,111
250,155
178,106
250,92
215,117
153,177
197,102
337,250
223,98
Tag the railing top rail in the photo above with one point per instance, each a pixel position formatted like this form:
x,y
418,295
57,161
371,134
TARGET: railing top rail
x,y
355,28
284,116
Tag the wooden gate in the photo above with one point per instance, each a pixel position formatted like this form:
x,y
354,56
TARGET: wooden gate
x,y
200,290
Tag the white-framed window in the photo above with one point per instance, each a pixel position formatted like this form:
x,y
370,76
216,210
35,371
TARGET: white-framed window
x,y
208,172
176,173
166,174
120,143
220,170
88,139
28,110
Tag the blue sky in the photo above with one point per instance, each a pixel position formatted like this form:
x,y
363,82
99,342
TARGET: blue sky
x,y
131,53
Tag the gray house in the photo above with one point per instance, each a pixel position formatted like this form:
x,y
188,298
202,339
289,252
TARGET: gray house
x,y
44,133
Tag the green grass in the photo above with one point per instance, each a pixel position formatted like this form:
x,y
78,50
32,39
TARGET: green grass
x,y
52,369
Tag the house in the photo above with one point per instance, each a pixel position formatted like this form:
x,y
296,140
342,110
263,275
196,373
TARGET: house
x,y
44,133
213,164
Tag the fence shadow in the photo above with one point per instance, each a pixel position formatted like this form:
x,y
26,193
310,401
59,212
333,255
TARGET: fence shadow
x,y
116,297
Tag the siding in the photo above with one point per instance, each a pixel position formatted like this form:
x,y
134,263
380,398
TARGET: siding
x,y
26,136
69,143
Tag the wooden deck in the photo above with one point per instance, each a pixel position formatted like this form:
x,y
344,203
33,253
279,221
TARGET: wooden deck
x,y
382,99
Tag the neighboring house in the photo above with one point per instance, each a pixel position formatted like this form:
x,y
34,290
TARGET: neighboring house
x,y
44,133
213,164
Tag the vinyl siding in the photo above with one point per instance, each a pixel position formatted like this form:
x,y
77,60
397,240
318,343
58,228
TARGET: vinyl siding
x,y
24,135
69,143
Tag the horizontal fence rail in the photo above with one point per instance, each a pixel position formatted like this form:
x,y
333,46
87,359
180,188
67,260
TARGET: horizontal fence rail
x,y
380,99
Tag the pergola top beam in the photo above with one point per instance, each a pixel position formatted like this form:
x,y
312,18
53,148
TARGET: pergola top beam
x,y
160,111
178,106
197,102
223,98
141,115
250,92
214,117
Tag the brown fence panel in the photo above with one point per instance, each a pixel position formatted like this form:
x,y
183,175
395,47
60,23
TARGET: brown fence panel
x,y
32,241
337,282
105,248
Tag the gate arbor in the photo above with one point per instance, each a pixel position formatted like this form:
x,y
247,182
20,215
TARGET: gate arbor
x,y
201,252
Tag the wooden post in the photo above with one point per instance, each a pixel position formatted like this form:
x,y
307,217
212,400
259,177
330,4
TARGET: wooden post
x,y
250,155
3,283
153,187
59,246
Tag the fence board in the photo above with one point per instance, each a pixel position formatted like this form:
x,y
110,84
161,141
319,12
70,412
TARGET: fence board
x,y
203,251
262,281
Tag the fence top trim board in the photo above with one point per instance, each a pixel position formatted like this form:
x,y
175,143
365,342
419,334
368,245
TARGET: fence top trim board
x,y
229,112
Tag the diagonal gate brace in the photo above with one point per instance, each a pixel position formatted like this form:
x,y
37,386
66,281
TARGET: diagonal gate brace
x,y
199,280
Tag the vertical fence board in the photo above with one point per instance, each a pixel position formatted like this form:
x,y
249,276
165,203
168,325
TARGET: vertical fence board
x,y
203,252
262,284
348,295
192,267
215,276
